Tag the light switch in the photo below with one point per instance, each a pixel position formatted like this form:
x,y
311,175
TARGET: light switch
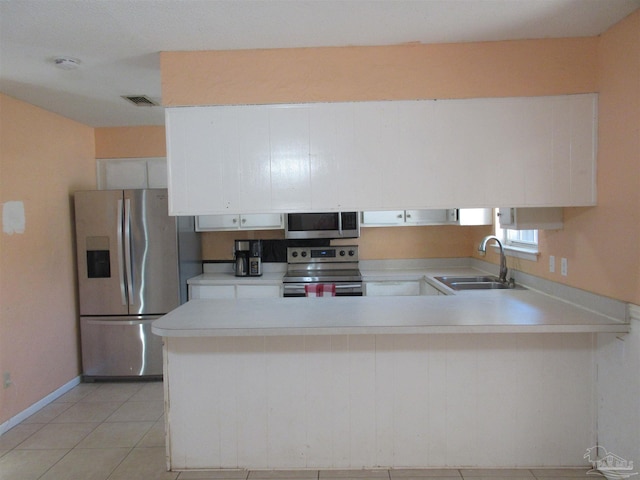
x,y
552,263
563,267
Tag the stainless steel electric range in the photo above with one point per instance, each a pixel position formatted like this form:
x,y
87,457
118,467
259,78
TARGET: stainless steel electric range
x,y
323,265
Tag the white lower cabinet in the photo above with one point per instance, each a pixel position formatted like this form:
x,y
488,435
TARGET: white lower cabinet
x,y
212,291
266,221
428,289
234,291
258,291
392,288
400,288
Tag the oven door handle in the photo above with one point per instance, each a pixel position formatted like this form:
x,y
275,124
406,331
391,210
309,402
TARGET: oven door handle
x,y
338,285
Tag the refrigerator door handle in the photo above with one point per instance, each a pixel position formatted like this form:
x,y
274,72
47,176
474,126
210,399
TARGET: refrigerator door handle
x,y
123,293
127,248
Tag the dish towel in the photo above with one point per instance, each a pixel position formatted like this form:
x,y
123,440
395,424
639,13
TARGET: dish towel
x,y
320,290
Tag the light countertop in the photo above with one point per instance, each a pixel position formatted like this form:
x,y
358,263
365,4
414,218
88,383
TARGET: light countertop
x,y
508,311
502,311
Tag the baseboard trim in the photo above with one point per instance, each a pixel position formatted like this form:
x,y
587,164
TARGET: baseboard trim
x,y
13,421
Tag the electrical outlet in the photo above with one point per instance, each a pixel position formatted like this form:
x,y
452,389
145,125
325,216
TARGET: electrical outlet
x,y
552,263
6,379
563,266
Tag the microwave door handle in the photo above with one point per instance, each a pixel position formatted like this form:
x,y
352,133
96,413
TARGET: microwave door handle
x,y
340,223
127,248
123,293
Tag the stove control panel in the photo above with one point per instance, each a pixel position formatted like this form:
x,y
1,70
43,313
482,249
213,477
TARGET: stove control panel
x,y
346,253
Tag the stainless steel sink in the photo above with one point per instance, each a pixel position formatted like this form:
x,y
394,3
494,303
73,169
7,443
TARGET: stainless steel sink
x,y
482,282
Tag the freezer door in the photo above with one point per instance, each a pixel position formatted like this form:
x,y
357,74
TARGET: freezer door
x,y
101,271
117,347
151,251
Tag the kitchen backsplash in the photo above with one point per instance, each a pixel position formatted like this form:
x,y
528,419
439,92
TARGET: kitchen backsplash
x,y
375,243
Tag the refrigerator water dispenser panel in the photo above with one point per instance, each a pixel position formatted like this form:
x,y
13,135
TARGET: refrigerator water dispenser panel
x,y
98,258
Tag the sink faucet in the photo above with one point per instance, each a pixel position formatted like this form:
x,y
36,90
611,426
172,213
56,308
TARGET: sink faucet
x,y
503,260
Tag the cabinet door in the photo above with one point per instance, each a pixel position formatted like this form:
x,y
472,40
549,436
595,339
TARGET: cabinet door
x,y
430,217
382,218
475,216
537,218
264,221
157,173
373,125
217,222
584,124
122,174
400,288
253,162
258,291
212,291
412,168
289,163
197,142
427,289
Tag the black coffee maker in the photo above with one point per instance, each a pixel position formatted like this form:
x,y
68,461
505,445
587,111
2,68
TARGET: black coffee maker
x,y
248,258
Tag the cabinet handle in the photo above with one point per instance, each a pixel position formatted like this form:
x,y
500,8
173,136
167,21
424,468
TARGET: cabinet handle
x,y
408,215
399,215
244,220
235,220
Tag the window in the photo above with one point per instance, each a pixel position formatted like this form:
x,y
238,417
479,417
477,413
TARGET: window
x,y
521,238
518,243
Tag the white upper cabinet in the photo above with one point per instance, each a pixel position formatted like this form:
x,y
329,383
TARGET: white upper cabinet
x,y
441,216
256,221
393,155
541,218
131,173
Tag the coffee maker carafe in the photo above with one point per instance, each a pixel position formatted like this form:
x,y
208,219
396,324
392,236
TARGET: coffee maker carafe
x,y
248,258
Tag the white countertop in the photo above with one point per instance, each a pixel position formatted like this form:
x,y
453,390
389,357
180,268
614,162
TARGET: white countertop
x,y
512,311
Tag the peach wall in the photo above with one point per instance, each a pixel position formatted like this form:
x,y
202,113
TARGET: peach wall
x,y
412,71
130,142
375,243
416,242
43,159
602,244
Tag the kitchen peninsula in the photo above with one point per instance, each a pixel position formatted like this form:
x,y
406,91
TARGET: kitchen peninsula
x,y
364,382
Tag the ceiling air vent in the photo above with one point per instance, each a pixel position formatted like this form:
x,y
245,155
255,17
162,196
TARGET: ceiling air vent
x,y
140,100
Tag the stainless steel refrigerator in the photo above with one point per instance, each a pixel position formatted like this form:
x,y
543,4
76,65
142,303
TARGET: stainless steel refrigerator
x,y
133,264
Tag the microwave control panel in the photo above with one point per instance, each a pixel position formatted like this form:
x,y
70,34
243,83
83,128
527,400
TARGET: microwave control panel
x,y
343,253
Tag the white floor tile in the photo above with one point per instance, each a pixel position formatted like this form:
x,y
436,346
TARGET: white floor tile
x,y
116,434
18,434
58,435
87,412
144,464
87,464
28,464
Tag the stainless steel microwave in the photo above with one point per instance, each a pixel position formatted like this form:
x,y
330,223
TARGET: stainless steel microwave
x,y
322,225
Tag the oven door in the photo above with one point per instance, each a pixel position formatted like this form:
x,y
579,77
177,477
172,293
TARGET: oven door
x,y
346,289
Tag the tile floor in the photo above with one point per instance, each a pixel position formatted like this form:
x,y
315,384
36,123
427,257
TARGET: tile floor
x,y
115,431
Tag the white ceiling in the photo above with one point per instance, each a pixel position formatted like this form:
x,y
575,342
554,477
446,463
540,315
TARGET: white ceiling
x,y
118,41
